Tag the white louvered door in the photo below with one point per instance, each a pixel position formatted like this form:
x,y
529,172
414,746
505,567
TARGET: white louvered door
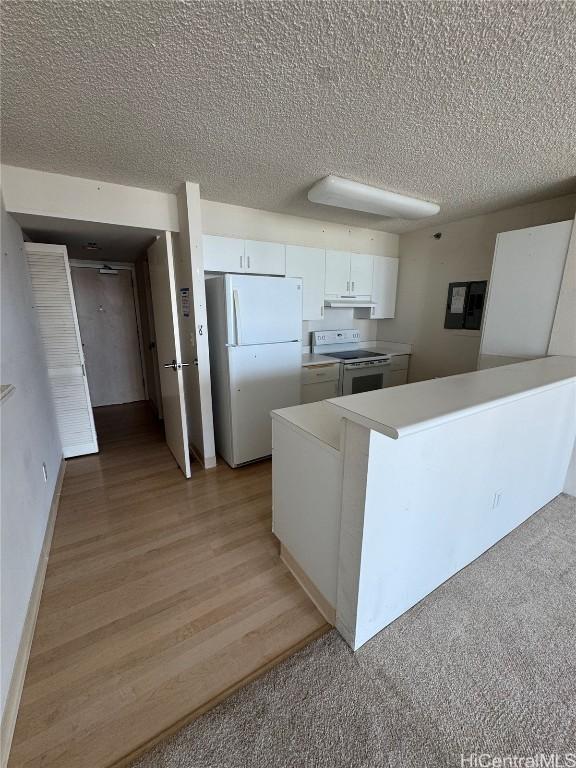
x,y
56,312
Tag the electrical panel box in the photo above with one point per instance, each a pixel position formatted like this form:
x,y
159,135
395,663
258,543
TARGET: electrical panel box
x,y
465,305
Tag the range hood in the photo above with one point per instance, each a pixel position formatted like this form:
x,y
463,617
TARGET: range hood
x,y
348,301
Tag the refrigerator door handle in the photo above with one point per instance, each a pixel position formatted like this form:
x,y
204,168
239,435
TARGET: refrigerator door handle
x,y
236,304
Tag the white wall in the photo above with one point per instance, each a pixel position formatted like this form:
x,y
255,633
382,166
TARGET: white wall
x,y
427,266
252,224
29,436
69,197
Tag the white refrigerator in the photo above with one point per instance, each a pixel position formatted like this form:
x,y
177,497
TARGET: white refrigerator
x,y
255,337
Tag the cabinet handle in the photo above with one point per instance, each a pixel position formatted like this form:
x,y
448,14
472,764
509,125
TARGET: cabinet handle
x,y
248,262
353,286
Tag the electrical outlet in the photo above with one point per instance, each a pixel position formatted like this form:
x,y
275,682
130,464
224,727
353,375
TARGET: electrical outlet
x,y
44,471
497,499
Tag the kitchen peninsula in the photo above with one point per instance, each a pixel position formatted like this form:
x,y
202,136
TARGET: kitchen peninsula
x,y
380,497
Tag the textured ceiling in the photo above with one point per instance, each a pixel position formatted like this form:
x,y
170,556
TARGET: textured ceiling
x,y
469,104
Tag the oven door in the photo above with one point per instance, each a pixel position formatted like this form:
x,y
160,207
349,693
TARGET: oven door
x,y
363,377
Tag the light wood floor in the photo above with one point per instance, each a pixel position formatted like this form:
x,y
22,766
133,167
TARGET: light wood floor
x,y
161,597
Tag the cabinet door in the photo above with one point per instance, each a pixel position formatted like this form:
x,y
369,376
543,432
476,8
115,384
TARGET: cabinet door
x,y
337,273
310,265
265,258
312,393
384,286
361,268
397,378
222,254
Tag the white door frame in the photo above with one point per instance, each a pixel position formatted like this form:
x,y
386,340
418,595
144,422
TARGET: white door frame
x,y
131,267
190,243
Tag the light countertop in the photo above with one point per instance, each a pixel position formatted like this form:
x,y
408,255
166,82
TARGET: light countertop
x,y
386,347
309,358
400,411
317,419
389,347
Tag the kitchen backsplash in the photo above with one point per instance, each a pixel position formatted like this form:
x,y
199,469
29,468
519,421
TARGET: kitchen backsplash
x,y
339,318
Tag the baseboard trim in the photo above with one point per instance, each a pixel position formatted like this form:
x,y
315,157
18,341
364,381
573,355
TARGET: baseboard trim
x,y
326,609
208,462
19,672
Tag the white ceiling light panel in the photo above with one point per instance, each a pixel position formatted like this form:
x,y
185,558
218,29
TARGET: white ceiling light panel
x,y
343,193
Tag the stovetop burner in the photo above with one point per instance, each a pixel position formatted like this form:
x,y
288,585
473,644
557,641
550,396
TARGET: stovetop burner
x,y
353,354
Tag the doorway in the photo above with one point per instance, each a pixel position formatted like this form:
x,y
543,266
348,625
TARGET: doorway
x,y
110,328
108,282
130,322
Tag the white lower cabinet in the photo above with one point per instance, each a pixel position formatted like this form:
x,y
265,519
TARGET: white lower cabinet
x,y
310,265
313,393
319,382
398,377
399,370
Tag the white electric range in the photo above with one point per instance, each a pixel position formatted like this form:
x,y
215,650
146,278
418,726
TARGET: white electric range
x,y
360,369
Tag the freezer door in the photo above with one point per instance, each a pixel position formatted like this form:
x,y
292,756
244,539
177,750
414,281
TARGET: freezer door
x,y
263,310
262,378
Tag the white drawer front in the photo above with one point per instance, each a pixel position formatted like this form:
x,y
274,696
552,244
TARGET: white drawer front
x,y
317,373
322,390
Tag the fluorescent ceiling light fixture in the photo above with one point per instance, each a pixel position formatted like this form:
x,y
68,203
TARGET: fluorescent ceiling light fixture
x,y
343,193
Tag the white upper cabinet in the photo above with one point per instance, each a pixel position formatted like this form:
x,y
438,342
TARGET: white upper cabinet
x,y
384,283
384,287
230,254
337,273
310,265
325,273
361,269
265,258
222,254
348,274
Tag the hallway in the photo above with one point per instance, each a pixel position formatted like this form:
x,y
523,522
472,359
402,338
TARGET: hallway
x,y
161,597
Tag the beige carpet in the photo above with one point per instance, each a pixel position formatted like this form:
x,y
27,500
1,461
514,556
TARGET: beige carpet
x,y
485,664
